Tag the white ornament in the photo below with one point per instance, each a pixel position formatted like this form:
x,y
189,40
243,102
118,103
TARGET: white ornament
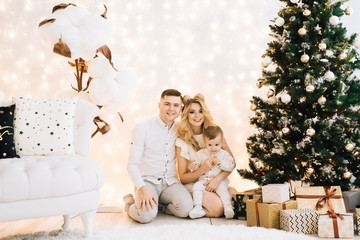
x,y
286,98
294,1
266,62
349,147
321,100
347,175
285,130
310,88
306,12
279,22
322,46
272,100
305,58
310,170
310,132
349,11
342,56
329,76
302,31
258,164
252,107
334,20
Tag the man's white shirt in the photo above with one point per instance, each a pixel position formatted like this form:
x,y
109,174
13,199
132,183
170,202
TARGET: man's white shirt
x,y
152,153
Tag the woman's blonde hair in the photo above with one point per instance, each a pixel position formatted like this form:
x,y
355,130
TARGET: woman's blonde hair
x,y
185,132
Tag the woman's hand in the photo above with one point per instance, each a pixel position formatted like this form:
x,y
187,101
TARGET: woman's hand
x,y
212,185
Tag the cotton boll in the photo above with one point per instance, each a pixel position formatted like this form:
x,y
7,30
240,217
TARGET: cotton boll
x,y
102,91
84,96
66,93
74,14
96,32
50,33
100,68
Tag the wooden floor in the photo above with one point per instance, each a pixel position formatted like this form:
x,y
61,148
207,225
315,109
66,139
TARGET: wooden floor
x,y
102,220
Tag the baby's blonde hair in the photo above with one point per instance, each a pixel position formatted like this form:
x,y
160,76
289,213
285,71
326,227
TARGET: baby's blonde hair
x,y
185,132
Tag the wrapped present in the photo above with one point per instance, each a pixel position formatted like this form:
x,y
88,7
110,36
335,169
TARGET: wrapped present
x,y
269,213
299,220
351,199
357,220
239,201
320,198
252,212
336,225
266,214
275,193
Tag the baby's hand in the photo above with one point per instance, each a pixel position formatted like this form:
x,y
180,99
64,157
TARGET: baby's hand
x,y
216,160
192,166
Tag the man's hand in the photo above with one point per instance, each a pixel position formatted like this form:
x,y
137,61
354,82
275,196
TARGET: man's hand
x,y
147,198
212,185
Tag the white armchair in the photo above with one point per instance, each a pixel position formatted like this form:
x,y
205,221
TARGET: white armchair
x,y
40,186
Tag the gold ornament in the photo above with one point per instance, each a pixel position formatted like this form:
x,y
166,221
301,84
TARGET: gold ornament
x,y
270,92
356,154
272,100
306,12
266,62
252,107
322,46
349,147
349,11
357,43
321,100
302,31
310,88
310,132
347,175
305,58
310,170
329,76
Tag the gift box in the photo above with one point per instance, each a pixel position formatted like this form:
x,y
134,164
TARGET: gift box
x,y
357,220
269,213
336,225
239,201
266,214
351,199
299,220
275,193
318,198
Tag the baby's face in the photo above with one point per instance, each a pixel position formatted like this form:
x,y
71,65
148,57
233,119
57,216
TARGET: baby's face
x,y
213,145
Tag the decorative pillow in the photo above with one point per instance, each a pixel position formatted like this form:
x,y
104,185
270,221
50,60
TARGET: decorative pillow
x,y
7,145
44,126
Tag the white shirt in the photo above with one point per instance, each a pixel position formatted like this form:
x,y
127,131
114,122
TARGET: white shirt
x,y
227,163
152,153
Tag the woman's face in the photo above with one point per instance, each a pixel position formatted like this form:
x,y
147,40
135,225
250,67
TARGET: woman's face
x,y
195,115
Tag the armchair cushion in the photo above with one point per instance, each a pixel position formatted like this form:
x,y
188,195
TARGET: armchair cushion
x,y
44,126
7,145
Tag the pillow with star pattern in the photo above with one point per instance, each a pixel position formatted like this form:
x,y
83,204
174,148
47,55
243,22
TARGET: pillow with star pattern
x,y
7,145
44,126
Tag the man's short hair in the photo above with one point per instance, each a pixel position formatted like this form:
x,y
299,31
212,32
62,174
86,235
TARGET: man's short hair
x,y
171,92
212,132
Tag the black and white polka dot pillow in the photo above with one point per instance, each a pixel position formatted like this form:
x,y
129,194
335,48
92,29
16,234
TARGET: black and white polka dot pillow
x,y
44,126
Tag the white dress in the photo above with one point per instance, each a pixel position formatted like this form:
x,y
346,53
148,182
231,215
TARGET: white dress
x,y
188,152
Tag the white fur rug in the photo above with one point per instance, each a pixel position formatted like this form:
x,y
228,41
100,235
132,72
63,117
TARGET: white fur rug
x,y
173,232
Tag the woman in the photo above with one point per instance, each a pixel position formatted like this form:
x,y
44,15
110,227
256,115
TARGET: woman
x,y
194,119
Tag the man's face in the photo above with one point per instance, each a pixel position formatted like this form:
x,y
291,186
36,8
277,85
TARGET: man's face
x,y
170,108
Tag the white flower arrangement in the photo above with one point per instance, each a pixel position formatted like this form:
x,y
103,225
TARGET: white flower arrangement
x,y
73,32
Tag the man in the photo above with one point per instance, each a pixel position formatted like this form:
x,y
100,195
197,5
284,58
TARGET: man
x,y
152,165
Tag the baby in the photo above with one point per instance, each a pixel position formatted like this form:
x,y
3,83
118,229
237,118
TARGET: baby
x,y
223,161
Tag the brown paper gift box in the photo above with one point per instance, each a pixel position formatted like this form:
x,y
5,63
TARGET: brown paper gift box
x,y
308,197
268,214
336,227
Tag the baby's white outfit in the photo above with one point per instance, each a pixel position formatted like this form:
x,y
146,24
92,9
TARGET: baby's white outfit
x,y
227,164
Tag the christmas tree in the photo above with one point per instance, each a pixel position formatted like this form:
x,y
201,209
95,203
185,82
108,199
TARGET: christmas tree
x,y
308,126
